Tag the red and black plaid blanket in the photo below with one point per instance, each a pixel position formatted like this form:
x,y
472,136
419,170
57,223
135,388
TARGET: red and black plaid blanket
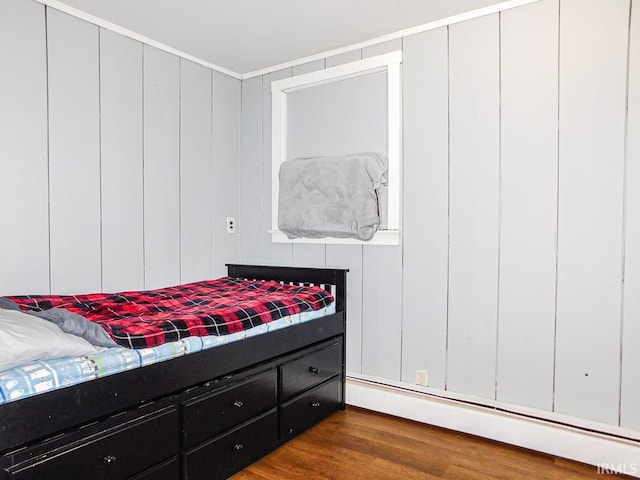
x,y
214,307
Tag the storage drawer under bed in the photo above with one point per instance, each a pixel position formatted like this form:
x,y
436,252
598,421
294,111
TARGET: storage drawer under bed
x,y
307,409
114,454
211,413
234,450
169,470
309,370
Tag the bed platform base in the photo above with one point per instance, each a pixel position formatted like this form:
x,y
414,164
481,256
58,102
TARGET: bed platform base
x,y
203,416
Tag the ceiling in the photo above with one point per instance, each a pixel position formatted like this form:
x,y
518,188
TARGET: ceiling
x,y
248,35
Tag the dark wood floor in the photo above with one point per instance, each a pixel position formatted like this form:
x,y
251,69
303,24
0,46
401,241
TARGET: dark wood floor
x,y
359,444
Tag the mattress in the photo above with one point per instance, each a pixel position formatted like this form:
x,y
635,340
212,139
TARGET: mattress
x,y
225,306
46,375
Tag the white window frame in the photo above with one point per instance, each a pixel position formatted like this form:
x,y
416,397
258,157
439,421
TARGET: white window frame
x,y
389,63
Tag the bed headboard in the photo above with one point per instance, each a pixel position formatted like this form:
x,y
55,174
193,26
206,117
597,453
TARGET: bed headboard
x,y
317,276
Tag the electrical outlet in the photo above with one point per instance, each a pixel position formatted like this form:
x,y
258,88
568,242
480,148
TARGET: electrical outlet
x,y
421,377
231,225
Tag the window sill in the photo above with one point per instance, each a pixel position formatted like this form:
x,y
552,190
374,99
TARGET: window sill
x,y
382,237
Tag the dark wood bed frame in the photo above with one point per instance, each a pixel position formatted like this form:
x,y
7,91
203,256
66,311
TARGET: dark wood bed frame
x,y
201,416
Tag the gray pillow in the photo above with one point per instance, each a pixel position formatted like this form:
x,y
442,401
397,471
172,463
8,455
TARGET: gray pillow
x,y
8,304
76,324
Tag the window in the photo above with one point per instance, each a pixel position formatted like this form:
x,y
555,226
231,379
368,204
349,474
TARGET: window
x,y
345,109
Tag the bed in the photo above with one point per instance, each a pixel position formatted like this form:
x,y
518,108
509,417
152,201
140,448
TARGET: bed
x,y
205,414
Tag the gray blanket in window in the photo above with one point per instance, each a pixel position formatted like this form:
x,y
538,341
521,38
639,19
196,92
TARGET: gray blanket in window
x,y
331,196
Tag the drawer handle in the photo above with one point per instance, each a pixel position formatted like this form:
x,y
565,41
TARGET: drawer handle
x,y
238,446
238,403
315,404
109,459
314,370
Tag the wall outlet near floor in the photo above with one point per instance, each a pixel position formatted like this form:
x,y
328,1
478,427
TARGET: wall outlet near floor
x,y
231,224
421,377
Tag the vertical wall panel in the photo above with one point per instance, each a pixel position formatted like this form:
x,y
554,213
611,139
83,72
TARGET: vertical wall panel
x,y
74,154
24,190
273,253
630,402
121,153
251,177
382,311
593,53
226,141
195,172
426,222
350,256
161,168
308,255
474,205
529,102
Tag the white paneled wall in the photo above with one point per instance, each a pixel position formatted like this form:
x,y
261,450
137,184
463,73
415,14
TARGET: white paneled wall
x,y
350,256
121,151
630,386
226,145
426,222
74,153
593,86
529,170
474,204
161,168
24,182
195,172
251,185
382,311
111,155
508,284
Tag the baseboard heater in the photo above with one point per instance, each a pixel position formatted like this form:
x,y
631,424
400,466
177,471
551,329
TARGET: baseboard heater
x,y
609,448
